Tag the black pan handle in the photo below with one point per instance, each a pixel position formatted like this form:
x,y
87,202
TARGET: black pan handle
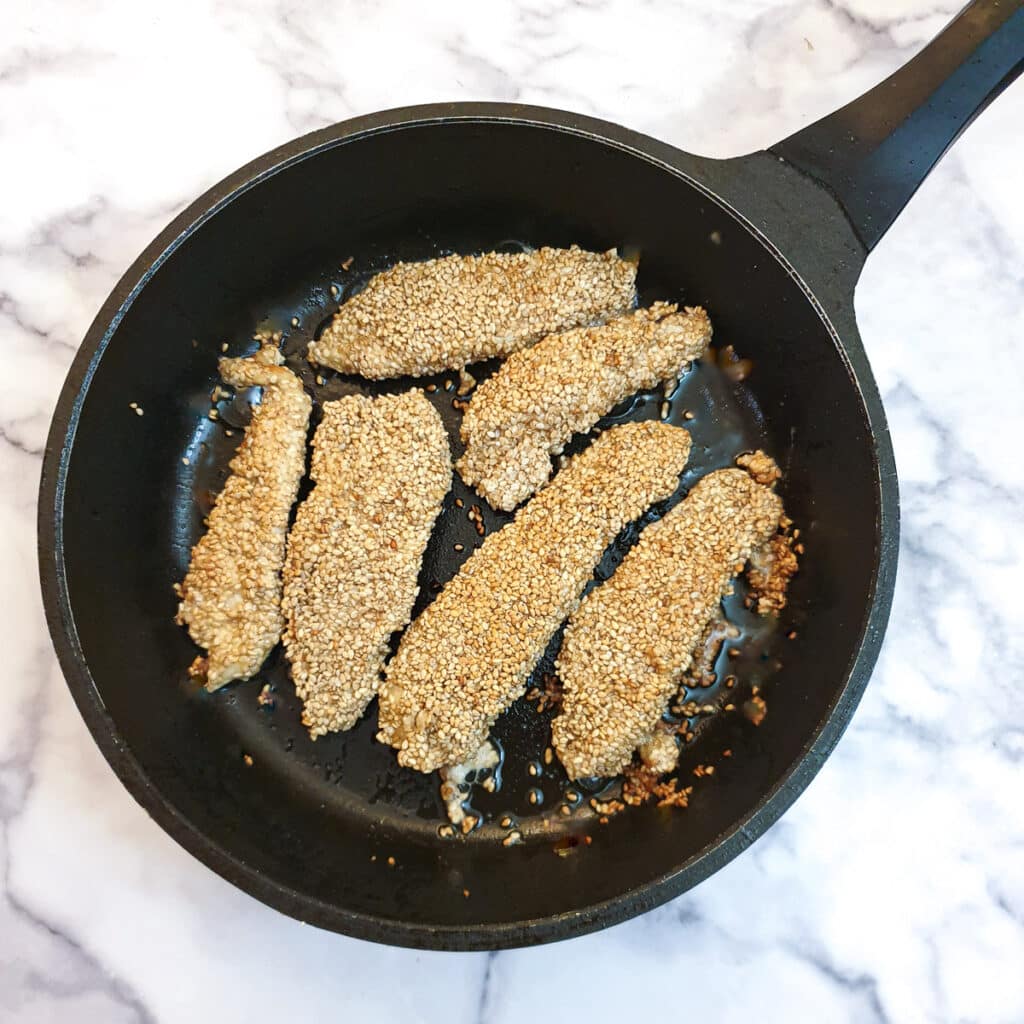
x,y
874,153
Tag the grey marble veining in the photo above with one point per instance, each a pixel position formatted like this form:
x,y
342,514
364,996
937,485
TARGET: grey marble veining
x,y
894,889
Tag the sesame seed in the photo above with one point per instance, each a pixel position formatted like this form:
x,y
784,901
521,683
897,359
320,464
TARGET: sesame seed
x,y
561,386
231,595
469,654
619,682
354,555
404,321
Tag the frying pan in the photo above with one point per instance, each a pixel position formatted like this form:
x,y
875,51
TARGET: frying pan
x,y
334,833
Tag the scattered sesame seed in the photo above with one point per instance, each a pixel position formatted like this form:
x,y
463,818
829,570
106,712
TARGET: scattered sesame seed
x,y
666,408
185,461
460,547
512,838
138,410
295,321
224,347
391,862
247,758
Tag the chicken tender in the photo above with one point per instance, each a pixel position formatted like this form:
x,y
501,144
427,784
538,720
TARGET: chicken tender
x,y
381,468
563,385
421,318
469,654
231,596
630,641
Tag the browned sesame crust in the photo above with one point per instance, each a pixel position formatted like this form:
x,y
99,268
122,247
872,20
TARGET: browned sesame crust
x,y
760,466
628,644
468,655
231,596
420,318
563,385
771,568
382,468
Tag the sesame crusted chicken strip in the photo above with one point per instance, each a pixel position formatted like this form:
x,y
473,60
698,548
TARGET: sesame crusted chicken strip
x,y
421,318
628,644
563,385
469,654
381,468
231,596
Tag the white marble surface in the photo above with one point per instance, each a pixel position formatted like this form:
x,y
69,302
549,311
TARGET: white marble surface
x,y
894,889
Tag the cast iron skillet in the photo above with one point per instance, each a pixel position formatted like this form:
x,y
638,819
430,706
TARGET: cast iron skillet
x,y
771,243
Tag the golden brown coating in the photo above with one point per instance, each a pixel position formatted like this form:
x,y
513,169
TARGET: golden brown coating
x,y
381,468
231,596
563,385
630,641
421,318
469,654
771,568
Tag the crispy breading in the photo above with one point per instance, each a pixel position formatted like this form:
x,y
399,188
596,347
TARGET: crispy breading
x,y
630,641
563,385
421,318
469,654
381,469
231,596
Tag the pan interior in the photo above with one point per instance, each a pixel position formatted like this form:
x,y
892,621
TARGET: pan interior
x,y
325,819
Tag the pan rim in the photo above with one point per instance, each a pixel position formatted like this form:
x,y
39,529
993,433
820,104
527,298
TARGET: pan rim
x,y
484,936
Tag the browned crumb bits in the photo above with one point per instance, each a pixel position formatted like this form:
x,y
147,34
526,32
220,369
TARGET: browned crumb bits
x,y
247,759
755,709
771,568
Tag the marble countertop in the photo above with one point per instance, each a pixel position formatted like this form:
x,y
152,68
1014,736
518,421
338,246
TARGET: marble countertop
x,y
894,888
